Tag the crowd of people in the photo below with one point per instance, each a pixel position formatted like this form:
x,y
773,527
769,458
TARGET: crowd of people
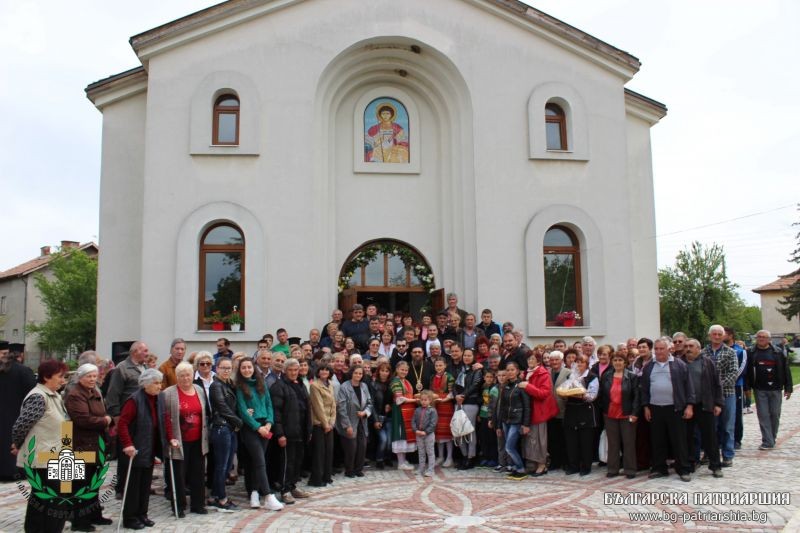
x,y
378,390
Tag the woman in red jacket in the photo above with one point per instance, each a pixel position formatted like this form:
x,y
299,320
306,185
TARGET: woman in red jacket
x,y
539,387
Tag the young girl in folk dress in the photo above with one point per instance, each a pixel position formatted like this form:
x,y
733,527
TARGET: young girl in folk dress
x,y
442,387
403,438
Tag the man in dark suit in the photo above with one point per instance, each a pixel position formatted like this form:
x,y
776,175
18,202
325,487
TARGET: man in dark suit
x,y
16,380
513,351
668,398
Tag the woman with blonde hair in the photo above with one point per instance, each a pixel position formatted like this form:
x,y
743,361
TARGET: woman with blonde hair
x,y
186,437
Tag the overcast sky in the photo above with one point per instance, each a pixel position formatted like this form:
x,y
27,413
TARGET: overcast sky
x,y
724,158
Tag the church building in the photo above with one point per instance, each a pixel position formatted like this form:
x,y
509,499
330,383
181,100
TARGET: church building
x,y
271,160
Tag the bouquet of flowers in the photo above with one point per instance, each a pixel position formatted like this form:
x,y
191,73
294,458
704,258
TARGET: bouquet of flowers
x,y
567,316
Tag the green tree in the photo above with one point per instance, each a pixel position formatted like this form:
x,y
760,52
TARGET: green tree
x,y
70,300
790,306
696,292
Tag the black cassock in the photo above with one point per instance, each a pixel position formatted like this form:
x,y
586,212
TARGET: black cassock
x,y
15,383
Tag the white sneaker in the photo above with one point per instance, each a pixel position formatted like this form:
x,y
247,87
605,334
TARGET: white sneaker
x,y
439,461
448,463
428,473
272,503
255,501
405,466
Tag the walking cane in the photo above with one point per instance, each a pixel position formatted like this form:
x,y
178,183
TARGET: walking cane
x,y
284,467
172,479
125,490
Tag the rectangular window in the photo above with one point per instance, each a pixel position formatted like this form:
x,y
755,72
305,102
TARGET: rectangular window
x,y
227,128
223,282
559,284
554,136
3,305
373,273
397,272
14,332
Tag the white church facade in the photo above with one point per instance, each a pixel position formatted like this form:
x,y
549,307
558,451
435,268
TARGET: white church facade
x,y
290,156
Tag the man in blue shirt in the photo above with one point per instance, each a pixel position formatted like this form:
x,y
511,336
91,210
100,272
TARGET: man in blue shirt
x,y
741,358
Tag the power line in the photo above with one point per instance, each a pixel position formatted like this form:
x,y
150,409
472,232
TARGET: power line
x,y
728,220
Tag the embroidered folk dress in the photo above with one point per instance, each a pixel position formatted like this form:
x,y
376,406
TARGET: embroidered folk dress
x,y
442,387
404,440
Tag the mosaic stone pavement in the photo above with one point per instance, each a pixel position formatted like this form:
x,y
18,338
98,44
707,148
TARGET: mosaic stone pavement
x,y
479,500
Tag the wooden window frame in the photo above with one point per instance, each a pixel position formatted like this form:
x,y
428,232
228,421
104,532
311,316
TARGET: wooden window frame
x,y
225,110
575,252
561,120
362,275
218,248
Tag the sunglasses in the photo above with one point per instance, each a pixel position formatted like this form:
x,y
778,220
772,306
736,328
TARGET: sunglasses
x,y
204,364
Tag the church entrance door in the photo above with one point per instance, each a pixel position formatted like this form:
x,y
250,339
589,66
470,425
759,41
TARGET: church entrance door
x,y
390,274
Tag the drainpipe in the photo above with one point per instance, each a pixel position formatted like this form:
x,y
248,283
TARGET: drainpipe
x,y
25,313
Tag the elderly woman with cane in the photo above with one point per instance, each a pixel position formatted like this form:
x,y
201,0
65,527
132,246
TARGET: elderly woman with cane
x,y
90,422
139,435
186,435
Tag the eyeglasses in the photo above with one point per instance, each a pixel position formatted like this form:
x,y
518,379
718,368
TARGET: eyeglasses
x,y
205,363
224,369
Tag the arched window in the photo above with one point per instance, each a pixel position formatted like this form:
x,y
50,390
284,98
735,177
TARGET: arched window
x,y
226,120
556,126
562,279
390,274
386,265
221,274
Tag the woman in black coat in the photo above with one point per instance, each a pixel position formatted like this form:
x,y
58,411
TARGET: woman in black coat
x,y
580,420
468,390
619,402
225,424
513,411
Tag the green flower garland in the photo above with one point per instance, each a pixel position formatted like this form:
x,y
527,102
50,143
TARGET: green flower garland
x,y
45,492
409,259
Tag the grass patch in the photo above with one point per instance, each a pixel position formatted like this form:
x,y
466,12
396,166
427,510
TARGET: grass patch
x,y
795,369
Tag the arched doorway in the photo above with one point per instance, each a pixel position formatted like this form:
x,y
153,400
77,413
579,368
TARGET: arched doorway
x,y
392,275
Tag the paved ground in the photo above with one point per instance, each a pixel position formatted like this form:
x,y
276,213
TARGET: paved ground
x,y
478,500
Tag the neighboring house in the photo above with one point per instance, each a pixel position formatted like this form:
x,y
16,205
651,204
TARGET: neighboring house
x,y
263,145
20,302
772,319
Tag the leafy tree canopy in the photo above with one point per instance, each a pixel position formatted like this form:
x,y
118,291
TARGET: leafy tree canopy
x,y
696,293
69,295
790,306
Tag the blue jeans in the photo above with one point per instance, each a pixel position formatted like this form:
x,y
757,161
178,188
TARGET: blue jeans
x,y
726,423
738,432
384,440
512,434
223,440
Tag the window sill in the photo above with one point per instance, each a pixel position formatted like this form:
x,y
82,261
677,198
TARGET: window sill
x,y
571,331
559,155
225,149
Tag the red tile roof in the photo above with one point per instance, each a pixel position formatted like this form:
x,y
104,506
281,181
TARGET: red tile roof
x,y
35,264
781,284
